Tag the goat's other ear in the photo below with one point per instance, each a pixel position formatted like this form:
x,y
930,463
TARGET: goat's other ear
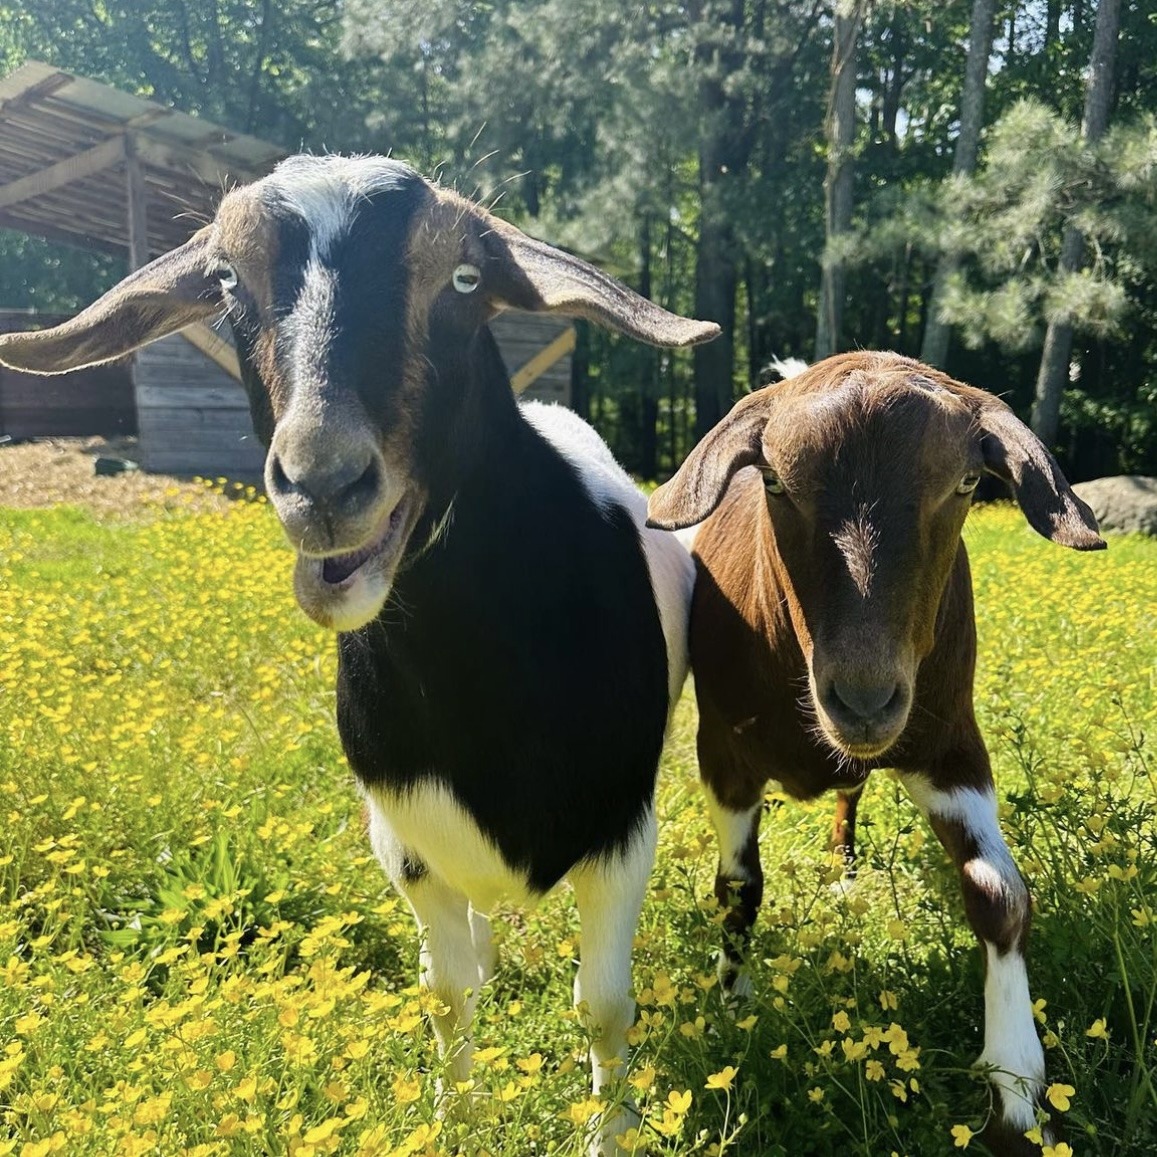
x,y
1013,452
531,275
699,484
159,298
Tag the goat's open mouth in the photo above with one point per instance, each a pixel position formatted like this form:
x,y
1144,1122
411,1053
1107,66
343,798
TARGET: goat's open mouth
x,y
339,570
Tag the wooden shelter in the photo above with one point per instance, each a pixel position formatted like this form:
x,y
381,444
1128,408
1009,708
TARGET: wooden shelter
x,y
86,164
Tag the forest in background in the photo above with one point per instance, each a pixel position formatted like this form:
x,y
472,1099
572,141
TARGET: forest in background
x,y
970,180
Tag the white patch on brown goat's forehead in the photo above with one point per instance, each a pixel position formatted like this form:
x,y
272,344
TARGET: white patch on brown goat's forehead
x,y
327,191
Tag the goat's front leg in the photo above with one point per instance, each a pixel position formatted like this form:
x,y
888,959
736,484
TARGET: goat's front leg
x,y
963,814
739,877
455,955
609,893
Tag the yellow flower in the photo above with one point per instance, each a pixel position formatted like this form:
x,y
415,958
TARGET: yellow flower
x,y
841,1022
1058,1096
961,1135
1097,1029
723,1078
815,1095
643,1079
406,1088
1061,1149
679,1102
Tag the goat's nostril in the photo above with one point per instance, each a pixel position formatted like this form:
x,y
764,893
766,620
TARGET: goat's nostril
x,y
866,700
362,487
278,479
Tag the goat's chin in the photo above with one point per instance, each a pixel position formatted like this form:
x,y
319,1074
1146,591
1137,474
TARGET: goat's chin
x,y
345,610
347,591
862,745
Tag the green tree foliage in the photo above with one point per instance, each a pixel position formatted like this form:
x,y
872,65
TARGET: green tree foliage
x,y
681,145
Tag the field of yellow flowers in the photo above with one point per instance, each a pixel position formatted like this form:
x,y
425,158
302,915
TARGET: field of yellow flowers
x,y
199,956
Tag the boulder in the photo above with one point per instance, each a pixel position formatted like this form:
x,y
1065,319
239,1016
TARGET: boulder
x,y
1125,502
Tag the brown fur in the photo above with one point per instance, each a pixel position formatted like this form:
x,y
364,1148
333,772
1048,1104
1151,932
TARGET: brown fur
x,y
845,581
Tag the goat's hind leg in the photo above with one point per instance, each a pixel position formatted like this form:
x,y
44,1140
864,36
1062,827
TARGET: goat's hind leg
x,y
738,878
609,893
996,900
843,842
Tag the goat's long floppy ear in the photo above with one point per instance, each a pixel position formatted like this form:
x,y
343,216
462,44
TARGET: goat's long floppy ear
x,y
699,484
159,298
531,275
1013,452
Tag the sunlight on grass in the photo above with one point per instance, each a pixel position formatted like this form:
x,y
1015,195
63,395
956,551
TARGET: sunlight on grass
x,y
199,955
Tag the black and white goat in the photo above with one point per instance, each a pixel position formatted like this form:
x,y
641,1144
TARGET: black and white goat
x,y
511,636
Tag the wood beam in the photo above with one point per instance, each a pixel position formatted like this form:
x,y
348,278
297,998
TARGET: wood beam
x,y
214,346
86,164
543,360
138,206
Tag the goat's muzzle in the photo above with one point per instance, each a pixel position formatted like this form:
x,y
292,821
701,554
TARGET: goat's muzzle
x,y
349,519
862,716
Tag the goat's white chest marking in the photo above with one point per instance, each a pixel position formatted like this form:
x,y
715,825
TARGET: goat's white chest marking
x,y
429,822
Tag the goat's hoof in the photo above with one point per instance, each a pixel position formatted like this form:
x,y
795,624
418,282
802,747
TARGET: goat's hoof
x,y
618,1134
735,981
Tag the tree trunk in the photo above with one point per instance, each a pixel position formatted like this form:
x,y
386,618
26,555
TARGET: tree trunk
x,y
715,284
934,349
649,393
840,132
1054,365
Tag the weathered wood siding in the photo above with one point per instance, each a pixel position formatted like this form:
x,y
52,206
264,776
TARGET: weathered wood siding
x,y
194,417
520,336
93,401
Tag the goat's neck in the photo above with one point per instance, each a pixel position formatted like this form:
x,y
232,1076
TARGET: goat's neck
x,y
474,428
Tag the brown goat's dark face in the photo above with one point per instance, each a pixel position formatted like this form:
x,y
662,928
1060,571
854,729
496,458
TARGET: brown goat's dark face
x,y
869,462
356,291
867,488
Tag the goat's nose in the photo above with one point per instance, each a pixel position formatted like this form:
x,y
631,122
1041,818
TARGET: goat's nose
x,y
864,701
340,484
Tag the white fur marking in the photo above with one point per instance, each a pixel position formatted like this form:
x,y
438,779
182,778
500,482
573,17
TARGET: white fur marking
x,y
733,830
609,892
670,564
788,367
1010,1041
325,192
1011,1044
430,822
976,812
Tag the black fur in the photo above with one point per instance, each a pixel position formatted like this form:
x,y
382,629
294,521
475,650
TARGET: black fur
x,y
520,661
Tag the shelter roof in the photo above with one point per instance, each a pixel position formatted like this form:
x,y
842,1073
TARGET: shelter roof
x,y
69,145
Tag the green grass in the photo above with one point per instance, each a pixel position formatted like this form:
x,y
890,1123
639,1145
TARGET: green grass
x,y
198,953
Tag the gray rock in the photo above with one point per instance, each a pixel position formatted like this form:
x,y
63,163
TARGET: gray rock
x,y
1125,502
106,467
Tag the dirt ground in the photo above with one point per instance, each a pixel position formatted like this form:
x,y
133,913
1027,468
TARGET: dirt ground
x,y
47,471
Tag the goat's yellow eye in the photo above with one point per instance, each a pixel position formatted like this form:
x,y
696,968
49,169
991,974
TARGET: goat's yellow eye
x,y
466,278
772,483
968,484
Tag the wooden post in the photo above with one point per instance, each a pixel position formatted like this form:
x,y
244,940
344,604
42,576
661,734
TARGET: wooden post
x,y
138,222
137,207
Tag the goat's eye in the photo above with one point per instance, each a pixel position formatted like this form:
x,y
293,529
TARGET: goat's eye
x,y
968,484
466,278
772,483
227,275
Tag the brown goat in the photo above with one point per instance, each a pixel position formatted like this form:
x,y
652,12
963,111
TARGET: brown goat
x,y
836,563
